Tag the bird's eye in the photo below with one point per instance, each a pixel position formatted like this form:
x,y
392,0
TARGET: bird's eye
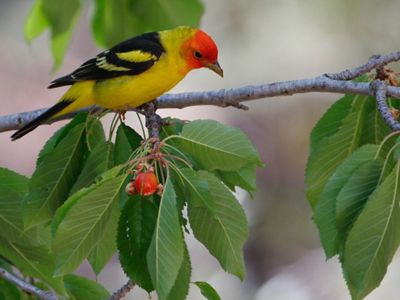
x,y
197,54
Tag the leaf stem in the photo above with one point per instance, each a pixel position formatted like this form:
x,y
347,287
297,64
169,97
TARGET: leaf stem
x,y
113,126
141,126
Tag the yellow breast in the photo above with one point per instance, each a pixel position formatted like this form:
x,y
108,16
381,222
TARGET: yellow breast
x,y
133,91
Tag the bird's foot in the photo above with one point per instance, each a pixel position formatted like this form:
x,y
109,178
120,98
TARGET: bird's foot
x,y
121,114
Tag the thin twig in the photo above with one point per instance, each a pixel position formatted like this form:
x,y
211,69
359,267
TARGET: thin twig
x,y
375,62
121,293
379,87
233,97
27,287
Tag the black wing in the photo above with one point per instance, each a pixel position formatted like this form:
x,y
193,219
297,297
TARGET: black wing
x,y
131,57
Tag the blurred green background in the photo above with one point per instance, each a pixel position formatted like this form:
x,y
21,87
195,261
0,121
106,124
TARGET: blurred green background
x,y
260,41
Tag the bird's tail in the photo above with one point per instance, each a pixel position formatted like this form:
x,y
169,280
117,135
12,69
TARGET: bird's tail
x,y
47,115
77,97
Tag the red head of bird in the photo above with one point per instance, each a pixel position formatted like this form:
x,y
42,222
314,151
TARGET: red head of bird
x,y
201,51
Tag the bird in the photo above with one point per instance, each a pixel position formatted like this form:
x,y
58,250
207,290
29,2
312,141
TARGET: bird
x,y
132,73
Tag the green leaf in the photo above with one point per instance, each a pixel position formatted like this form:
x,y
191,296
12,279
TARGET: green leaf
x,y
80,118
374,238
123,197
67,205
331,121
35,261
333,149
99,161
126,141
82,288
13,186
42,235
375,128
84,222
198,188
115,21
160,16
396,149
224,230
59,44
171,126
182,194
244,178
51,181
61,17
94,133
166,251
181,287
217,146
355,193
207,290
135,232
325,212
59,135
107,246
5,264
8,291
49,146
36,22
375,131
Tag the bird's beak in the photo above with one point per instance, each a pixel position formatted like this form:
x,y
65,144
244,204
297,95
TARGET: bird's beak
x,y
216,68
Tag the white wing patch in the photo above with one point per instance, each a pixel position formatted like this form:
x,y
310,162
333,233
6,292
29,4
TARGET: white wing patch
x,y
102,63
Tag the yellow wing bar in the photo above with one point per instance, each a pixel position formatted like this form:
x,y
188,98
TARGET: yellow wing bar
x,y
136,56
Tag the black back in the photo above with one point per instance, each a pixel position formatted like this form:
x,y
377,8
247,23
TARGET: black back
x,y
92,70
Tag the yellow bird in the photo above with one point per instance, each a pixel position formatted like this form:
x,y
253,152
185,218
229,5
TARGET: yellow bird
x,y
133,72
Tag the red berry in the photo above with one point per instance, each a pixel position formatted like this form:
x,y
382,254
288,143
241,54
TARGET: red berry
x,y
146,183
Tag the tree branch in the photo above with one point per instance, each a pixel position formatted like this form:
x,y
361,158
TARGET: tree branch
x,y
380,94
121,293
153,120
331,83
375,61
27,287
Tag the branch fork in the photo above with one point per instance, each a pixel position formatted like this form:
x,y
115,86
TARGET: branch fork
x,y
379,88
